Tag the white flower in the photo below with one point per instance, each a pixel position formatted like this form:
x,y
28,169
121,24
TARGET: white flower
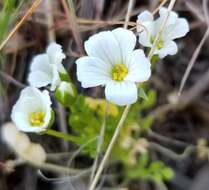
x,y
113,62
32,112
175,28
45,68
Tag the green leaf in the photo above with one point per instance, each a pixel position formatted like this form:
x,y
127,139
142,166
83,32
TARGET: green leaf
x,y
168,173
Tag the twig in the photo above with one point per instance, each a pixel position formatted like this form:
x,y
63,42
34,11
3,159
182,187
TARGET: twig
x,y
171,154
166,140
50,20
45,166
157,9
205,11
192,61
20,23
130,7
105,22
72,20
11,79
185,99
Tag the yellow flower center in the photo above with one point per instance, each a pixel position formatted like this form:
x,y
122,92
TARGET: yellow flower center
x,y
160,43
119,72
36,118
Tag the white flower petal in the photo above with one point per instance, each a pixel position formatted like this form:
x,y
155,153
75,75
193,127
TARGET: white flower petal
x,y
47,106
39,79
145,16
40,62
92,71
55,78
56,55
177,30
121,93
170,48
163,14
105,47
126,40
146,35
139,69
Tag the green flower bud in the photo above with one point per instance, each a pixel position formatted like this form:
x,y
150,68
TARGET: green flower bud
x,y
66,93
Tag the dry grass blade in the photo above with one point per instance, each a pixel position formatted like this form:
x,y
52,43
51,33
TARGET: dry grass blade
x,y
20,23
158,8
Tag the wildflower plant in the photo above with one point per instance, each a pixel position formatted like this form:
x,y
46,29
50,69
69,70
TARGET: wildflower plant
x,y
113,63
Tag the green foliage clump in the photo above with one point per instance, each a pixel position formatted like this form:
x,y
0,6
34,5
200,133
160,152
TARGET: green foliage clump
x,y
155,171
85,120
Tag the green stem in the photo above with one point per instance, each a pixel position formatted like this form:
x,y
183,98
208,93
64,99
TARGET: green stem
x,y
61,135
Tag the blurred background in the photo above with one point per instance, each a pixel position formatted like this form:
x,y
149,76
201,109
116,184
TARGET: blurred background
x,y
179,132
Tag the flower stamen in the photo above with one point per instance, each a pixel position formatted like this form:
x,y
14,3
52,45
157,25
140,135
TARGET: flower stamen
x,y
36,118
160,43
119,72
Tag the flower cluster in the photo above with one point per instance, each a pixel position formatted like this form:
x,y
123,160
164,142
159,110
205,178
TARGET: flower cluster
x,y
46,68
112,62
32,112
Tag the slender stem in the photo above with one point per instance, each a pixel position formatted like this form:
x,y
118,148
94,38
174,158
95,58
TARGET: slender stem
x,y
100,142
58,134
109,148
130,7
157,9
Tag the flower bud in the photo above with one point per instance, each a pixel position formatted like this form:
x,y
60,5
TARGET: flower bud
x,y
35,153
66,93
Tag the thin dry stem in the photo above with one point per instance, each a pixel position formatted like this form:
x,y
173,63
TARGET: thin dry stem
x,y
21,22
130,7
100,142
158,8
192,61
109,148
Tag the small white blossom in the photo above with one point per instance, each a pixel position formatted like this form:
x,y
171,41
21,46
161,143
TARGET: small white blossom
x,y
175,28
32,112
112,62
45,68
